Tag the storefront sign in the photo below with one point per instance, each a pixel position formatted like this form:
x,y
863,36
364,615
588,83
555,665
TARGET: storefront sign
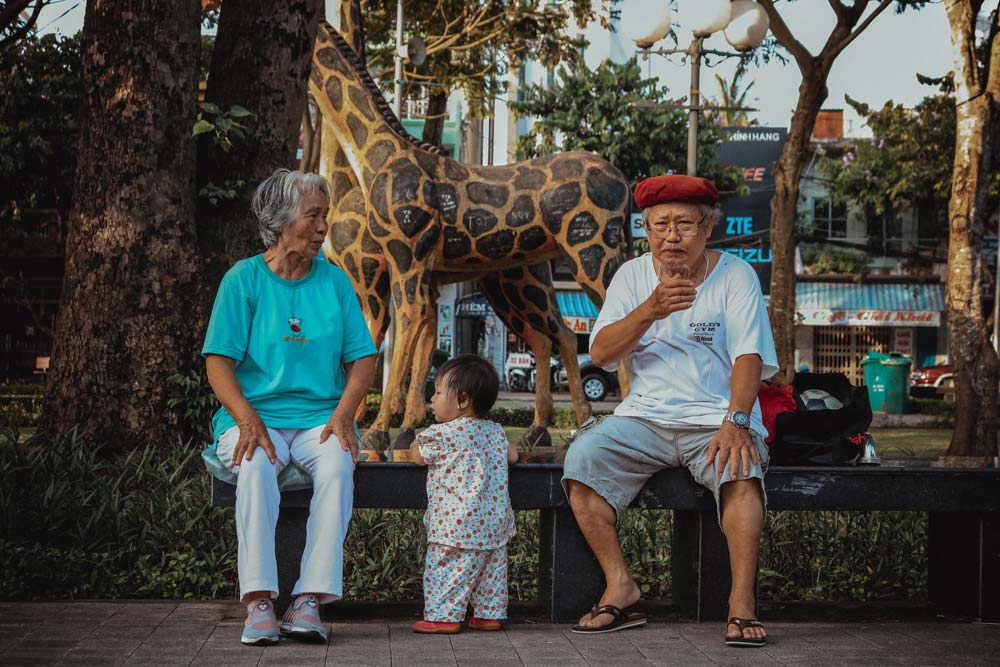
x,y
580,325
821,317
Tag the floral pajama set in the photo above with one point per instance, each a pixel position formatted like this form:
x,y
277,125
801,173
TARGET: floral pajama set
x,y
469,519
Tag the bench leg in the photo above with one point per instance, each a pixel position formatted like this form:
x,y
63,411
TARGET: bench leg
x,y
700,566
963,564
574,578
289,543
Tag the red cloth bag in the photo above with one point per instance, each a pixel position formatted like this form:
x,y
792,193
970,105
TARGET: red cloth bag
x,y
774,399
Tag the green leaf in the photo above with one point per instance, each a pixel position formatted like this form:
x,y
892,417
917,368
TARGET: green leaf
x,y
211,108
236,111
201,127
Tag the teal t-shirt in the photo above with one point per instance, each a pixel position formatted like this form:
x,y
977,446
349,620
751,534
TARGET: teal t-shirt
x,y
290,340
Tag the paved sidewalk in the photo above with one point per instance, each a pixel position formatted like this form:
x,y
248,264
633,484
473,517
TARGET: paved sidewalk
x,y
206,633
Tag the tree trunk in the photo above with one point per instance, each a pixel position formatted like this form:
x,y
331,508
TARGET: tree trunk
x,y
131,255
261,61
437,112
784,211
972,356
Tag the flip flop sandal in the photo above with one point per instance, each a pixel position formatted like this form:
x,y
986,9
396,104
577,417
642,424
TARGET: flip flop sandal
x,y
623,620
742,641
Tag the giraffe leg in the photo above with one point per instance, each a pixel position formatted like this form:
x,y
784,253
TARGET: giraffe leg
x,y
411,298
423,356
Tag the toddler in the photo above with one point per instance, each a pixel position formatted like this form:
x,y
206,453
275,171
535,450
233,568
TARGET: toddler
x,y
469,519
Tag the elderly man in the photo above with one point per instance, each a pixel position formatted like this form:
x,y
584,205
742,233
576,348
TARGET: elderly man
x,y
691,327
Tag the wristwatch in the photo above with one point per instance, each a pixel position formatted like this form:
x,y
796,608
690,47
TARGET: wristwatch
x,y
738,419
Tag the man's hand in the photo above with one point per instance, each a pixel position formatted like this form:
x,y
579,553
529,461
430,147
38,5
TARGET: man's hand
x,y
253,434
342,426
735,447
671,295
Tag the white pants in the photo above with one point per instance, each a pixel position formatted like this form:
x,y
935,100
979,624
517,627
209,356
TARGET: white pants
x,y
257,498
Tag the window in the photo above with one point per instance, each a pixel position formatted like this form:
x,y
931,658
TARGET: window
x,y
829,219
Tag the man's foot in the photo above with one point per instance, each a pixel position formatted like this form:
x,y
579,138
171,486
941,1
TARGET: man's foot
x,y
622,596
436,627
261,626
302,621
745,632
485,624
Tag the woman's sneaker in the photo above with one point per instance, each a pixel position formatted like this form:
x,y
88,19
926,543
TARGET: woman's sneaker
x,y
261,626
302,621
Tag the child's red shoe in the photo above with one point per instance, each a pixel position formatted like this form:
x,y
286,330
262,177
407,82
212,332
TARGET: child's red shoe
x,y
436,627
485,624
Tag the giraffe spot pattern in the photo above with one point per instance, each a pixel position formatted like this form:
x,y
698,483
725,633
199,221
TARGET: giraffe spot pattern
x,y
473,261
382,286
369,269
536,296
590,260
358,130
605,189
522,212
410,289
571,263
397,294
531,238
446,201
411,219
353,202
557,202
376,227
529,179
517,324
536,321
362,103
400,254
581,228
343,233
340,183
487,193
455,171
340,159
479,221
406,178
426,242
369,245
542,161
496,245
378,195
541,272
374,307
566,167
334,92
513,273
512,294
352,267
612,232
379,153
456,243
428,161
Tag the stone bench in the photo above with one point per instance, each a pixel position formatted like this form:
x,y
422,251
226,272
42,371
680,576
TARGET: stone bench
x,y
963,534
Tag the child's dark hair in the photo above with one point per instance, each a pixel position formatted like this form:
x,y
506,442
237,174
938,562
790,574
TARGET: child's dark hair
x,y
470,376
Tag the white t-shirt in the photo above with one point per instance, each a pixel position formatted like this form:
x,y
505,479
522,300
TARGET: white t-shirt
x,y
681,368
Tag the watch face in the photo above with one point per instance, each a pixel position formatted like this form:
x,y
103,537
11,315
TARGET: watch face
x,y
741,419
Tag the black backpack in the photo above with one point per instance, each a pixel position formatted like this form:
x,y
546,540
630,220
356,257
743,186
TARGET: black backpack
x,y
822,437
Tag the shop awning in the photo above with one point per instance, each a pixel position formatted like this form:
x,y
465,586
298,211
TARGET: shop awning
x,y
578,311
869,304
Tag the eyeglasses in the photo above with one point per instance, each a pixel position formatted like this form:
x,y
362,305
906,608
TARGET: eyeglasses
x,y
684,228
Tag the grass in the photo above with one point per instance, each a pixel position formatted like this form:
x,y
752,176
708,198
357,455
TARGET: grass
x,y
906,443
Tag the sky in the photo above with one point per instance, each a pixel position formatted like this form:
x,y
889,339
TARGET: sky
x,y
880,65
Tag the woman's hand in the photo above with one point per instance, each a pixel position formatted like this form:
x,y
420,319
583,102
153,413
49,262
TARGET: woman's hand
x,y
253,434
342,426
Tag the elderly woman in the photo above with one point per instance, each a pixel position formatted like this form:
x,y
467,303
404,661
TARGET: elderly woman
x,y
289,356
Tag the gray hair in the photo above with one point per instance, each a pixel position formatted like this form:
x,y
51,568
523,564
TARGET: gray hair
x,y
278,198
708,211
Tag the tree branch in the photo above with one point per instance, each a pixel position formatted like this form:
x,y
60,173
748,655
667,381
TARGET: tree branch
x,y
861,28
23,30
780,30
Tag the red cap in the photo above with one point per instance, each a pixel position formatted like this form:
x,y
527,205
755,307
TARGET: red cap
x,y
675,188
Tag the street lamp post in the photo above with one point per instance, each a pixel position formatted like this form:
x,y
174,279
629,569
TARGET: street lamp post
x,y
744,23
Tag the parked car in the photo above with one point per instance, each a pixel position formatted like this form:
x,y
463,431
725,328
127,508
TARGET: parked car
x,y
931,381
597,382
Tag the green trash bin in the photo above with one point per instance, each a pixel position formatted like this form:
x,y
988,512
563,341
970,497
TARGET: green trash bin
x,y
875,378
896,373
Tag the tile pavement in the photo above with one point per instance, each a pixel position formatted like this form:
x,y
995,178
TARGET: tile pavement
x,y
207,634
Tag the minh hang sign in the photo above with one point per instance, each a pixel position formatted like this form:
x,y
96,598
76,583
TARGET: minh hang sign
x,y
823,317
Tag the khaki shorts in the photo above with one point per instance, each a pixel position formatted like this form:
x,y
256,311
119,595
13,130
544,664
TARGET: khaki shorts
x,y
616,455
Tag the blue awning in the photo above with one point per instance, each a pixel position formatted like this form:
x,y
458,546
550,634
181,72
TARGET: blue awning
x,y
576,304
871,296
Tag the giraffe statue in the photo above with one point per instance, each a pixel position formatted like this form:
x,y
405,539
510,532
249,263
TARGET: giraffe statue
x,y
453,222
